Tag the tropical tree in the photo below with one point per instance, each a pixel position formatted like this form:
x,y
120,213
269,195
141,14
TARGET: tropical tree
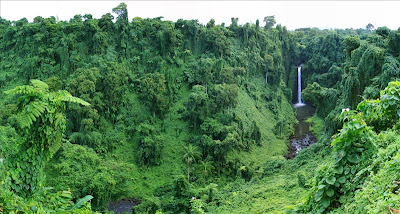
x,y
210,191
196,106
191,155
351,43
269,65
269,21
205,168
122,24
370,27
153,90
225,96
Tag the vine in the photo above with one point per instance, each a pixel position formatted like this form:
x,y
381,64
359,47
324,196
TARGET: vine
x,y
41,116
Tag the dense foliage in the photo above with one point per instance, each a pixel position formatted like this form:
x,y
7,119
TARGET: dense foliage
x,y
41,119
364,146
354,65
193,118
167,99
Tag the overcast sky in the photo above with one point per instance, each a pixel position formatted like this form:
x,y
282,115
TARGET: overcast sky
x,y
293,14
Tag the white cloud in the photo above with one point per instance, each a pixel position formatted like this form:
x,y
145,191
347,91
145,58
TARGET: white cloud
x,y
293,14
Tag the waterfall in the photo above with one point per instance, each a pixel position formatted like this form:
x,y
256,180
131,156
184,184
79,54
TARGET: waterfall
x,y
299,85
299,102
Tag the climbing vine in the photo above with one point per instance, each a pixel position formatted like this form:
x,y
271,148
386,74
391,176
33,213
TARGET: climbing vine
x,y
41,116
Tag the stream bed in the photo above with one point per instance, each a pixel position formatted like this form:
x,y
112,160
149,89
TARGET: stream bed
x,y
123,206
302,137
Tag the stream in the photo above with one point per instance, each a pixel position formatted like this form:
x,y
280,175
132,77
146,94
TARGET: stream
x,y
123,206
302,137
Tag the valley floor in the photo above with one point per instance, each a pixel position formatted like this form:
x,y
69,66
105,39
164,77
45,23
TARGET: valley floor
x,y
281,184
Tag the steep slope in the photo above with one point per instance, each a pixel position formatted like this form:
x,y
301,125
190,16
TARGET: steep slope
x,y
176,107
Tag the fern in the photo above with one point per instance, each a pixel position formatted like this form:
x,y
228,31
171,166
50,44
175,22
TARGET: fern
x,y
31,112
24,89
65,96
38,92
73,99
36,103
40,85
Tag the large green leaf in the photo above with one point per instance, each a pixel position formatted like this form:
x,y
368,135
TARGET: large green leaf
x,y
338,156
339,169
342,179
325,202
330,192
330,180
80,202
318,195
354,158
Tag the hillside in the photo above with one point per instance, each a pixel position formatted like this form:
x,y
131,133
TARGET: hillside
x,y
171,103
181,117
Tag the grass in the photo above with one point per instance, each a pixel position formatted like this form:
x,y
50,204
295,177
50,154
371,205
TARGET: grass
x,y
316,126
270,193
272,146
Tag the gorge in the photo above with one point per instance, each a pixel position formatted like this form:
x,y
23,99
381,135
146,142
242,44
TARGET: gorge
x,y
147,115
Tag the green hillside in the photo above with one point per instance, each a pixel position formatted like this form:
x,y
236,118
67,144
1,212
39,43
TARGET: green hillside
x,y
182,117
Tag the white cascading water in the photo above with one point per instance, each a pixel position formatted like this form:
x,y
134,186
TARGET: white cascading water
x,y
299,102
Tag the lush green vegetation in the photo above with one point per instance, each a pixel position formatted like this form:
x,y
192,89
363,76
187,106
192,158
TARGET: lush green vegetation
x,y
173,106
192,118
364,122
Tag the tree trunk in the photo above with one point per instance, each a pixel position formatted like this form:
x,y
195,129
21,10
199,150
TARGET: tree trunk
x,y
266,77
188,173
